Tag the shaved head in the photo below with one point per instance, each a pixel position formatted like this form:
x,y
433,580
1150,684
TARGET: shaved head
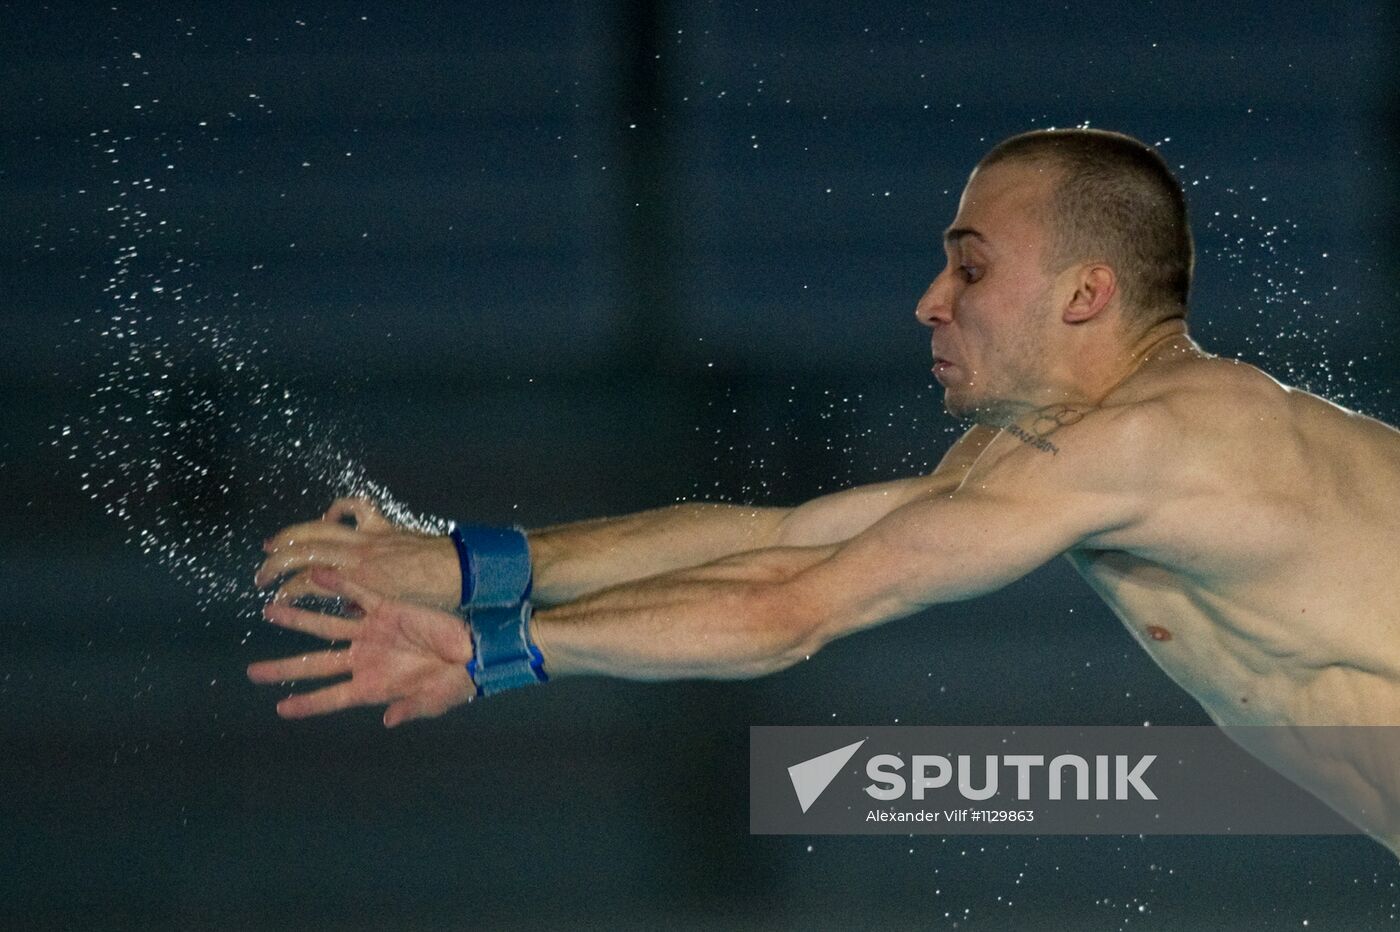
x,y
1115,201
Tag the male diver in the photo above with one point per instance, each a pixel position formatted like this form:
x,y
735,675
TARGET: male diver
x,y
1246,533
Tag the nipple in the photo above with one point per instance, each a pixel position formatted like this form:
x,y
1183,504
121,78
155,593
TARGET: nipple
x,y
1158,633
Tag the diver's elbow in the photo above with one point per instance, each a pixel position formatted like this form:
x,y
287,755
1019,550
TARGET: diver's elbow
x,y
786,631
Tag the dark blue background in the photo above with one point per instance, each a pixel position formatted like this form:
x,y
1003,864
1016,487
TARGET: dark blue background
x,y
551,261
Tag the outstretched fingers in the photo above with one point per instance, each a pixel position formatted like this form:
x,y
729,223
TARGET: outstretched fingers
x,y
328,627
306,667
337,582
298,586
298,556
324,700
308,532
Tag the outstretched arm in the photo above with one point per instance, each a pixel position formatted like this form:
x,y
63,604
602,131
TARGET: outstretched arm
x,y
761,611
572,560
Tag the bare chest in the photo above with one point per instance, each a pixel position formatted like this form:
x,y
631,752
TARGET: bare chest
x,y
1273,651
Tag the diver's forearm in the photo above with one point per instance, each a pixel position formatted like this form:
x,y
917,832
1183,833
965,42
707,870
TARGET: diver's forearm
x,y
573,560
727,620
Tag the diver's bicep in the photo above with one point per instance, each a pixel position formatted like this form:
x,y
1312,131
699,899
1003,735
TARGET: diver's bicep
x,y
944,549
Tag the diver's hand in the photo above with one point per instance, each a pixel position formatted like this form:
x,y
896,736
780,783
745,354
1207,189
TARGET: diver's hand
x,y
409,657
375,553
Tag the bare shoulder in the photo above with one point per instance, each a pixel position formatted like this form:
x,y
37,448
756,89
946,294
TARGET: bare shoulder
x,y
1155,422
1107,447
1212,387
1203,416
1231,417
1239,467
1175,441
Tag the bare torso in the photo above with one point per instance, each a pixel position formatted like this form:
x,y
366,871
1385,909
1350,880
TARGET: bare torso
x,y
1267,582
1266,579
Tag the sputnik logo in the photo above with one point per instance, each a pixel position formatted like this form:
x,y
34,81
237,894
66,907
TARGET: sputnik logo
x,y
811,777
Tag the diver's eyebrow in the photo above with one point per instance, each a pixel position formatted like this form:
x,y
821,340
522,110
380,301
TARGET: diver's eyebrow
x,y
956,234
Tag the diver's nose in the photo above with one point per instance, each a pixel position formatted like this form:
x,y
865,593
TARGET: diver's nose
x,y
936,305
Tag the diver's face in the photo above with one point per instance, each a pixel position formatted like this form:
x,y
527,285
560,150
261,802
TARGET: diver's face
x,y
989,307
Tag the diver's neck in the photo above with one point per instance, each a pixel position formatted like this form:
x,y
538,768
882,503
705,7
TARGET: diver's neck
x,y
1162,341
1089,380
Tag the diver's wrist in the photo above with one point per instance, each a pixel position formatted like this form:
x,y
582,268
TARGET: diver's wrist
x,y
443,572
540,629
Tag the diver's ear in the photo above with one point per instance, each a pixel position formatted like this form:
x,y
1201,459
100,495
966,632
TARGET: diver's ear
x,y
1095,286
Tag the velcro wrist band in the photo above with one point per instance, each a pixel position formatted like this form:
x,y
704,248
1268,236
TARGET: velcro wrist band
x,y
495,564
503,656
496,584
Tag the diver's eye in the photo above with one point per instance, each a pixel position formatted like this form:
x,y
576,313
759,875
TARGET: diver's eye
x,y
970,273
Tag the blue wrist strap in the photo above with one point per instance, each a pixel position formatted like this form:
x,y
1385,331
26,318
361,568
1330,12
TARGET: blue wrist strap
x,y
503,657
496,584
495,564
